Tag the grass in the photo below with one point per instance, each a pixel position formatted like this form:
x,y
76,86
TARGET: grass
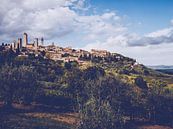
x,y
34,121
32,117
170,87
29,118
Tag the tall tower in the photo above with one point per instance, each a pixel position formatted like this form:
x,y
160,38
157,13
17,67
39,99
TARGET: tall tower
x,y
12,45
36,43
15,44
20,43
42,41
25,39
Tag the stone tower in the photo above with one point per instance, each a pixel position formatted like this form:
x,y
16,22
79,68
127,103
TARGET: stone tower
x,y
15,44
25,39
20,43
36,43
42,41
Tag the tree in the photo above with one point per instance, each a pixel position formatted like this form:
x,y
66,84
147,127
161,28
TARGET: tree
x,y
103,107
93,72
139,81
7,56
159,103
17,83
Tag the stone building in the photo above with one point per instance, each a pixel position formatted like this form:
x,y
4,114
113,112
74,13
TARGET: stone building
x,y
19,43
25,40
100,53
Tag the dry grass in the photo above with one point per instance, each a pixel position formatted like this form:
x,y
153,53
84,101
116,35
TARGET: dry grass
x,y
66,118
26,117
154,127
32,117
34,121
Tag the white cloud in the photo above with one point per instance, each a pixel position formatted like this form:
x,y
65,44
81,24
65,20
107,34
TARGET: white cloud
x,y
164,32
172,21
154,38
101,27
38,17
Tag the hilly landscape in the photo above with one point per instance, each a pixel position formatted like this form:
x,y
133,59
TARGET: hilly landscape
x,y
102,92
86,64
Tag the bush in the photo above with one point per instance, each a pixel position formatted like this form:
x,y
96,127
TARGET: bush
x,y
17,83
139,81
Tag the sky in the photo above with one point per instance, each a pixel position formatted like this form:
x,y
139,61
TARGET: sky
x,y
140,29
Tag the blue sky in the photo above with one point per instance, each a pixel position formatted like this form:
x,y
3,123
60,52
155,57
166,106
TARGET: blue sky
x,y
152,14
140,29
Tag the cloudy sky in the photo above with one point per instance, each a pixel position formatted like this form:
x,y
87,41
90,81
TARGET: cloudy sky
x,y
141,29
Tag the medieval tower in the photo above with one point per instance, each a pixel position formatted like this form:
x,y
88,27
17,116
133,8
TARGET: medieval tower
x,y
25,39
19,46
36,43
42,41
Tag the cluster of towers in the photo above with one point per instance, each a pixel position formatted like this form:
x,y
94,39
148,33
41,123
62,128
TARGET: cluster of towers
x,y
24,43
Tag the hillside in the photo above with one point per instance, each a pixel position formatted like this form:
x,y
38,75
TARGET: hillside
x,y
97,87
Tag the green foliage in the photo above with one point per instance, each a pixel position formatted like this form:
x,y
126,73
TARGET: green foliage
x,y
17,83
108,103
100,109
93,73
6,57
159,104
139,81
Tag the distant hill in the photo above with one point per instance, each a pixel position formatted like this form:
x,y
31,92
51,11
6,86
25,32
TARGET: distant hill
x,y
161,67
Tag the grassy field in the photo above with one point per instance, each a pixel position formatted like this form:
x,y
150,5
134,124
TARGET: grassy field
x,y
170,87
36,117
44,117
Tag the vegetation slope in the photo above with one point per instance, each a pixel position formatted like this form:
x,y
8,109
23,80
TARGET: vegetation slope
x,y
105,93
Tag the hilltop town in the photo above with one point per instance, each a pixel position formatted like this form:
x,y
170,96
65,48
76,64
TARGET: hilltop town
x,y
53,52
54,87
